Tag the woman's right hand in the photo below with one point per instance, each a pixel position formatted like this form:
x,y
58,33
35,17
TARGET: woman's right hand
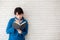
x,y
17,21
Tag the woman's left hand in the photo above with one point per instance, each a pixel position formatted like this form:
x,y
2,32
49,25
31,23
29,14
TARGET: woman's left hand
x,y
19,31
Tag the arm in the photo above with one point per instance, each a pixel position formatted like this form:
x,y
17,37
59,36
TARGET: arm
x,y
25,31
9,29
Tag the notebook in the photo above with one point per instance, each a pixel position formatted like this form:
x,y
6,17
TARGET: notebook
x,y
19,26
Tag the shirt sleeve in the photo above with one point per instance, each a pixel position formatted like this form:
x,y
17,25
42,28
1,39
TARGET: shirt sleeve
x,y
25,31
9,28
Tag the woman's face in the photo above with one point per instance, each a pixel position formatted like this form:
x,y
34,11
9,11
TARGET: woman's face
x,y
19,16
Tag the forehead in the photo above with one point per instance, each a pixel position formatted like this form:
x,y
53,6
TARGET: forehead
x,y
19,14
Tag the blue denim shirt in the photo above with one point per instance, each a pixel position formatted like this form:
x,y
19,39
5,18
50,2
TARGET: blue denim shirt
x,y
13,33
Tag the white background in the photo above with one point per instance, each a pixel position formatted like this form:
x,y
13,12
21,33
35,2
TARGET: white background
x,y
43,17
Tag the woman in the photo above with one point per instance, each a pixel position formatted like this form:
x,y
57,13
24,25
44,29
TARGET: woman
x,y
17,33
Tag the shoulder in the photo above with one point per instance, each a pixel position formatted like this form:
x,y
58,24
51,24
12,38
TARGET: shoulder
x,y
11,19
25,20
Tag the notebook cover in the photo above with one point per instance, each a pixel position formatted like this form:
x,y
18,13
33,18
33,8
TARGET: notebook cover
x,y
17,26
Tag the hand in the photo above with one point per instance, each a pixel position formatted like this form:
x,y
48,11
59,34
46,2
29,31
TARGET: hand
x,y
17,21
19,31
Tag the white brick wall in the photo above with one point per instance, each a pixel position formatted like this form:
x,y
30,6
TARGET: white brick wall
x,y
43,17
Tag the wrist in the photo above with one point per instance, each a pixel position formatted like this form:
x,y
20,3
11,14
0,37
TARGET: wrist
x,y
19,31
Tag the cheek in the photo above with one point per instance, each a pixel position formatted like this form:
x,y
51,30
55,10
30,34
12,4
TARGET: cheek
x,y
20,16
